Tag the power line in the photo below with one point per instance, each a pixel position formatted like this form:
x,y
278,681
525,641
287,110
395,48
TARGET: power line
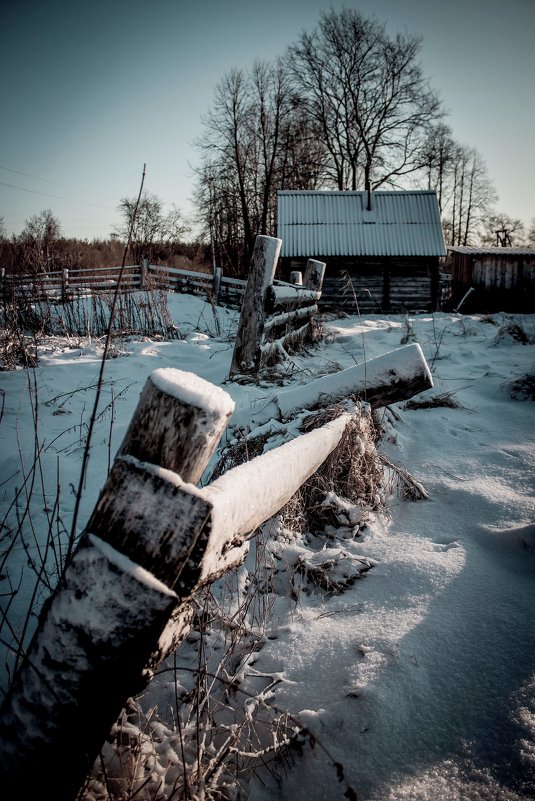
x,y
57,197
36,177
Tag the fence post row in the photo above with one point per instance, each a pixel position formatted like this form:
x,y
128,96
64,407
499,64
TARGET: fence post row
x,y
260,300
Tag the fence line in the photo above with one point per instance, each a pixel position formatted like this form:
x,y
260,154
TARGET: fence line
x,y
67,284
124,601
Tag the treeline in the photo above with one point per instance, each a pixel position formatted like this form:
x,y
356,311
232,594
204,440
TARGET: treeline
x,y
347,107
156,235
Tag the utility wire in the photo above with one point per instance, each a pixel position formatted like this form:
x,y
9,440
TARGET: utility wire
x,y
57,197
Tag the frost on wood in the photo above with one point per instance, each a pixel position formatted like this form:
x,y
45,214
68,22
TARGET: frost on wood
x,y
155,518
251,493
178,422
396,375
89,654
193,390
379,378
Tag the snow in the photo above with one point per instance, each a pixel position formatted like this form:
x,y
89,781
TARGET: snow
x,y
418,674
191,389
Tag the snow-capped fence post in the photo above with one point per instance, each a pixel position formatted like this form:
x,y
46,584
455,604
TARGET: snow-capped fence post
x,y
129,576
247,354
177,431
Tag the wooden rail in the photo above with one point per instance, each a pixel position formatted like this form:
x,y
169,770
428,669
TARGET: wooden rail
x,y
64,285
124,601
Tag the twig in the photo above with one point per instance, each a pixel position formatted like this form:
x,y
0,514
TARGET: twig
x,y
85,458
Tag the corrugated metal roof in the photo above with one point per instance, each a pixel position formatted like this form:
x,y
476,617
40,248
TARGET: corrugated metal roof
x,y
492,251
318,223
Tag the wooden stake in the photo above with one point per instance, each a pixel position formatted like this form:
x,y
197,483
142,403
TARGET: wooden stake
x,y
247,353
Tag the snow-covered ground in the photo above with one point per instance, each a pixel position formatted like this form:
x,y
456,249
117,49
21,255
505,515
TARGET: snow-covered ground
x,y
420,677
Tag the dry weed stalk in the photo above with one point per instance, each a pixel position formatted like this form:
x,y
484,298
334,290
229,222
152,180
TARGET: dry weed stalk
x,y
350,476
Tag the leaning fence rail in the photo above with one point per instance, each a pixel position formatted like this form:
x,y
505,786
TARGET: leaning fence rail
x,y
154,537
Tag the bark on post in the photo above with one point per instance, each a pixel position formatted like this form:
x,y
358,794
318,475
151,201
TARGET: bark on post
x,y
87,659
314,273
247,354
392,377
178,422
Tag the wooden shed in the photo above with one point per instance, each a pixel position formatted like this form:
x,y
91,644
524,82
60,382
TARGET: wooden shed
x,y
383,250
502,279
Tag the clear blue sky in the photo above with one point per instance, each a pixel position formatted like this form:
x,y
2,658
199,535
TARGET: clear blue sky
x,y
93,89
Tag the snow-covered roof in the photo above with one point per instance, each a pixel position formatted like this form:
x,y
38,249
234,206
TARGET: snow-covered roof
x,y
321,223
492,251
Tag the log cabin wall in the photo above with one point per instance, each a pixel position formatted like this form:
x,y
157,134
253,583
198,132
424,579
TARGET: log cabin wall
x,y
374,286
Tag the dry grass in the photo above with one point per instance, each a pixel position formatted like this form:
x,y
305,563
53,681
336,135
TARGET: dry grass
x,y
521,388
443,400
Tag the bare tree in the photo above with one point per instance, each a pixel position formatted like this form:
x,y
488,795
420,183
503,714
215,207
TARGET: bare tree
x,y
369,96
473,196
38,242
438,159
155,232
252,145
501,230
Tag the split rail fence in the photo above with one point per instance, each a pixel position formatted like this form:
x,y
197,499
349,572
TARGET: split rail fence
x,y
154,538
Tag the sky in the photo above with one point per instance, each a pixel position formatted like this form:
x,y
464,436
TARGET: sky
x,y
94,90
418,677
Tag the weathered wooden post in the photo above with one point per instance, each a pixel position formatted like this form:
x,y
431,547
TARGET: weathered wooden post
x,y
64,285
247,348
314,274
144,272
218,272
109,619
296,278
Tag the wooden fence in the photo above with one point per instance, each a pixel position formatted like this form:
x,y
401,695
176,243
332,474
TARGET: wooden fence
x,y
274,313
64,285
154,537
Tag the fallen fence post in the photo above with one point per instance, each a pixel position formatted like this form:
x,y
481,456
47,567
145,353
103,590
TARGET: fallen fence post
x,y
391,377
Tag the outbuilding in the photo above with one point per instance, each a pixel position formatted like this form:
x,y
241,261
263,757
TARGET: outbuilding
x,y
498,278
383,250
